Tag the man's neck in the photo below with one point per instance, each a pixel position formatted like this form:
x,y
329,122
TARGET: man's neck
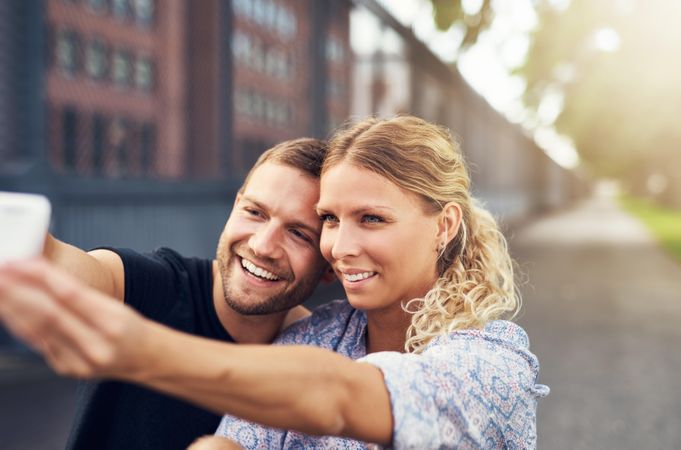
x,y
245,329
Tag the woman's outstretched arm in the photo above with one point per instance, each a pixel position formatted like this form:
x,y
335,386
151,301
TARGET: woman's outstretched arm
x,y
293,387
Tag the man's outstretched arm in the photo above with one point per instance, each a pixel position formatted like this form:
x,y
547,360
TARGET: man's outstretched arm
x,y
100,269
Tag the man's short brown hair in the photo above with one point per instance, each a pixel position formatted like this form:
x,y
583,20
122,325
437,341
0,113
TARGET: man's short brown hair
x,y
306,154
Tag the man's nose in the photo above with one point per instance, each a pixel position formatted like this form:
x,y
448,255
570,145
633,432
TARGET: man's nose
x,y
266,241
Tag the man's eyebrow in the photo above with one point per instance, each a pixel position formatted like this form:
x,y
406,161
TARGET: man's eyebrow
x,y
305,226
254,201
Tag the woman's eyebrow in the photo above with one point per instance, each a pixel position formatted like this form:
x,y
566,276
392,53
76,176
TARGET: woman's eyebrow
x,y
360,209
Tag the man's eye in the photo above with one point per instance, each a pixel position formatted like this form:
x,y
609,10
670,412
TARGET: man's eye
x,y
370,218
253,212
300,235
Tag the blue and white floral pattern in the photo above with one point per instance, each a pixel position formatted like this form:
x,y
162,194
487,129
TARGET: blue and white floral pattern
x,y
470,389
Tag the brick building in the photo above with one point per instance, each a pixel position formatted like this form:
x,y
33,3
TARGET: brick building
x,y
172,88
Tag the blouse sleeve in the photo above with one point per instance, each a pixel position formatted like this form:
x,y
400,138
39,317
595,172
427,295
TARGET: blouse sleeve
x,y
470,389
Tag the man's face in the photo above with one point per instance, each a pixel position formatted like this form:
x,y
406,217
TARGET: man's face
x,y
268,254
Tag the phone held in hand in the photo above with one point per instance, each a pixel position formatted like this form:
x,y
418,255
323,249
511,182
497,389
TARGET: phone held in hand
x,y
24,221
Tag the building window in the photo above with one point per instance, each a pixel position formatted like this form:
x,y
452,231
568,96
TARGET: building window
x,y
257,56
260,12
120,8
335,89
257,105
334,50
121,68
272,62
67,51
119,136
243,8
69,137
144,11
148,146
242,102
99,126
144,74
241,46
271,12
96,59
286,23
97,6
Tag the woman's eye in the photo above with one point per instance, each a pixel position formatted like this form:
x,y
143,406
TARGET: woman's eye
x,y
324,218
369,218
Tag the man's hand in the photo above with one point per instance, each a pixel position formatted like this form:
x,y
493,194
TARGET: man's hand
x,y
80,331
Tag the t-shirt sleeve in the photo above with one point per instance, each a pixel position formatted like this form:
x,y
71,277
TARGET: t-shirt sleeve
x,y
463,391
150,281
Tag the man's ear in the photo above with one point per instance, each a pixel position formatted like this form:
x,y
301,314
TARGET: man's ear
x,y
329,275
449,223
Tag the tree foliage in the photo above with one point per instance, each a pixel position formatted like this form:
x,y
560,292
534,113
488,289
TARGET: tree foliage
x,y
620,106
447,13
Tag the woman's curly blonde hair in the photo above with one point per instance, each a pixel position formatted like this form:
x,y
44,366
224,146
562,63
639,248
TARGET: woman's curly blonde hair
x,y
476,283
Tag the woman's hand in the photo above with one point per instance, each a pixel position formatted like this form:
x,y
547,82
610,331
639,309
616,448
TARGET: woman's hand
x,y
80,331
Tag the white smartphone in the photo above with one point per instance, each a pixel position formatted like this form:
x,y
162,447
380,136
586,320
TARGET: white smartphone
x,y
24,221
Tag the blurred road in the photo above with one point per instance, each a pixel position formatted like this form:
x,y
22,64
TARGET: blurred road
x,y
602,307
603,312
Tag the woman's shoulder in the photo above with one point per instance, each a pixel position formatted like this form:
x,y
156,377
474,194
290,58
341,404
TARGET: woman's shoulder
x,y
496,332
500,343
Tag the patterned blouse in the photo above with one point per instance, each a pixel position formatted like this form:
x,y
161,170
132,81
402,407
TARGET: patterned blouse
x,y
467,390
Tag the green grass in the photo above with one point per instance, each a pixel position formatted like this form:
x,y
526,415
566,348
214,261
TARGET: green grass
x,y
664,223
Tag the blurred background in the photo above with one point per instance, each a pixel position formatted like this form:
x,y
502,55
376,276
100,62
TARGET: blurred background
x,y
140,118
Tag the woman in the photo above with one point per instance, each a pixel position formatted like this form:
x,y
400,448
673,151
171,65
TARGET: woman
x,y
427,275
426,272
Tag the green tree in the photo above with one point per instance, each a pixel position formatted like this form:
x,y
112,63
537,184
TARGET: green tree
x,y
447,13
620,104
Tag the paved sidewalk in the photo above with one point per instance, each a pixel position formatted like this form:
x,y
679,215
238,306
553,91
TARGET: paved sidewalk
x,y
603,311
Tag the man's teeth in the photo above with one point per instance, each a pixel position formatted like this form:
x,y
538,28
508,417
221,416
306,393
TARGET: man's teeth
x,y
258,271
358,276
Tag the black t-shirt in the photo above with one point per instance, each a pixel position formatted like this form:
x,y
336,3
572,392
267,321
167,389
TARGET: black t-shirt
x,y
176,292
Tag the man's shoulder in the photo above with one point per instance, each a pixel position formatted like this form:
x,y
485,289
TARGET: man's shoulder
x,y
160,259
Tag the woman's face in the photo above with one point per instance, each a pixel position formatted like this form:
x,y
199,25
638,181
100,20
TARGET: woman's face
x,y
380,242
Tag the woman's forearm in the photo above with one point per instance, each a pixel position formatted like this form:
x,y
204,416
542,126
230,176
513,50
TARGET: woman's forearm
x,y
292,387
83,333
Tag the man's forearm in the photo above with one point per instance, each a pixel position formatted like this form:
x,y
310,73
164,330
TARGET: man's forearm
x,y
97,272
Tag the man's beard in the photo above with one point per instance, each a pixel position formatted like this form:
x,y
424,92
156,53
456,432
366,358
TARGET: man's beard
x,y
286,299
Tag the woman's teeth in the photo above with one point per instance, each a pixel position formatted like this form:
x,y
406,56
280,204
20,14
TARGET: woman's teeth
x,y
358,276
258,271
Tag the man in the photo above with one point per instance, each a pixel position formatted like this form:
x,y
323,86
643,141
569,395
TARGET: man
x,y
267,263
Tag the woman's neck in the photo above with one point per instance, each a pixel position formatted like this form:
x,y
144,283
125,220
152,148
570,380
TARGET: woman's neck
x,y
387,329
